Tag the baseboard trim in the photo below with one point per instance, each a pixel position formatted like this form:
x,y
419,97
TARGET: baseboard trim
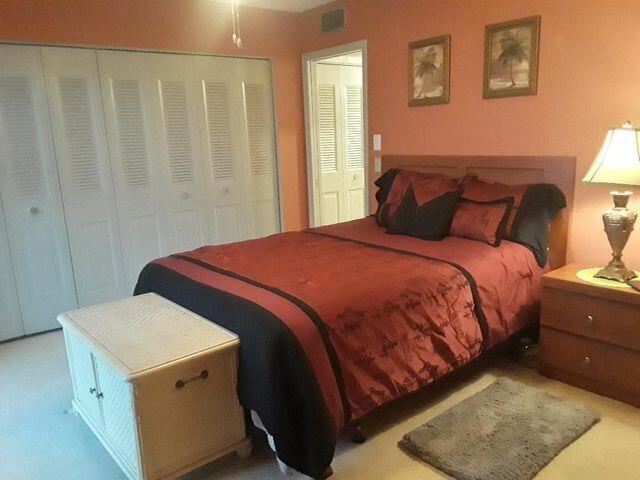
x,y
15,339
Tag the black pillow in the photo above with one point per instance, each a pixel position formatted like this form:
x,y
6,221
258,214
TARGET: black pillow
x,y
384,183
540,204
430,221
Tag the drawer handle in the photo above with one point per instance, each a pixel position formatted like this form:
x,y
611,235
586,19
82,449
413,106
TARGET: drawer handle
x,y
590,318
203,375
587,359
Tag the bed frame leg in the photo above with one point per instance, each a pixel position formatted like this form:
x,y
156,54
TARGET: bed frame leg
x,y
328,473
357,435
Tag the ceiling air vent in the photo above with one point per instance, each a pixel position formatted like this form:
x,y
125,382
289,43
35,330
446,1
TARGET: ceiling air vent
x,y
333,20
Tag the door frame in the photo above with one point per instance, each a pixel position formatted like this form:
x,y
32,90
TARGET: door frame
x,y
308,84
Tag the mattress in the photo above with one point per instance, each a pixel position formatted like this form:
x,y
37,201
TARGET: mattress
x,y
339,320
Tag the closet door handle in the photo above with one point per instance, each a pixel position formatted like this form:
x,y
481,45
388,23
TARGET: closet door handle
x,y
34,210
92,391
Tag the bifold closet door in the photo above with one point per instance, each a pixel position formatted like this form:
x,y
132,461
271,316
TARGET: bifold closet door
x,y
338,106
178,137
220,111
259,146
155,155
77,118
31,193
353,176
10,318
238,141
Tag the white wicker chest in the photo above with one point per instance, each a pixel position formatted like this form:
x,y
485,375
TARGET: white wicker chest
x,y
156,383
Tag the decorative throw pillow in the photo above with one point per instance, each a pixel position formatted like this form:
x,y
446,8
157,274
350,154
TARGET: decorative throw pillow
x,y
429,221
534,207
424,186
482,221
481,191
384,183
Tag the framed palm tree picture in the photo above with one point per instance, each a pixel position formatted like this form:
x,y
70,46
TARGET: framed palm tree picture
x,y
429,71
511,58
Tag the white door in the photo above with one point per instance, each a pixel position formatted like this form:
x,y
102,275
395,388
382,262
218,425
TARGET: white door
x,y
178,136
339,158
83,375
126,90
10,318
116,397
220,116
254,77
155,154
31,193
77,119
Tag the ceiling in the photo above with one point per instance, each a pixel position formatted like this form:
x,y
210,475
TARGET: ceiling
x,y
285,5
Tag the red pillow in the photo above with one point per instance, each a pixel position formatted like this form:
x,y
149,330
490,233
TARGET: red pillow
x,y
482,191
482,221
426,187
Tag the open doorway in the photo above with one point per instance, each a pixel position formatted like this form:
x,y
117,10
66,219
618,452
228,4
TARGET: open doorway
x,y
335,104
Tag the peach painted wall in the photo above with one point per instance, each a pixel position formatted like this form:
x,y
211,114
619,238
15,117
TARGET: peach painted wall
x,y
188,26
589,76
589,81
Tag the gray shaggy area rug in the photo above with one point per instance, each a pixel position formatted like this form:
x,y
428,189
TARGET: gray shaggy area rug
x,y
508,431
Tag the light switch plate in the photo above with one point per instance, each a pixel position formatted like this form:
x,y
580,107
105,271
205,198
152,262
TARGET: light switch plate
x,y
377,142
377,164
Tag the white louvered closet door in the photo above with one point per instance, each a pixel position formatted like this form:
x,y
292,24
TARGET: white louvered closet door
x,y
353,148
31,193
178,136
261,179
329,143
339,141
155,155
77,118
220,116
127,90
10,317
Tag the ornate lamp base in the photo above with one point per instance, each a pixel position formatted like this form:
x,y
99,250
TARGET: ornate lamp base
x,y
619,273
618,224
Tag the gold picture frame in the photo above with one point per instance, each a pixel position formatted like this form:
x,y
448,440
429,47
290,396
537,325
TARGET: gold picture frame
x,y
429,71
511,51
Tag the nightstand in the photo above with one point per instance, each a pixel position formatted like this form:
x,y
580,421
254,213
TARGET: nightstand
x,y
590,335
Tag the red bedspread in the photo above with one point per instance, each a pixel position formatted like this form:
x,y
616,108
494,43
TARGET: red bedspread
x,y
377,315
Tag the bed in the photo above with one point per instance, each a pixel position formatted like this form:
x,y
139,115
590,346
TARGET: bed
x,y
339,320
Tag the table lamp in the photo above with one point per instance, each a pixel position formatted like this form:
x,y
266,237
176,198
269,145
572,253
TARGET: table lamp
x,y
618,163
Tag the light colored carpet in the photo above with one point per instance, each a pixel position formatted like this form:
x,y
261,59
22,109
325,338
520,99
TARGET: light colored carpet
x,y
507,431
39,440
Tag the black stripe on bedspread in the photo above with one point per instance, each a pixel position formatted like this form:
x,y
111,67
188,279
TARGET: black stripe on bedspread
x,y
274,377
482,321
306,308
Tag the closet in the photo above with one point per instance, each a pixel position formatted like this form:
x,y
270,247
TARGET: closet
x,y
109,159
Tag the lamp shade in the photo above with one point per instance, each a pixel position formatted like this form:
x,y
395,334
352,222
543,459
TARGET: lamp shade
x,y
619,159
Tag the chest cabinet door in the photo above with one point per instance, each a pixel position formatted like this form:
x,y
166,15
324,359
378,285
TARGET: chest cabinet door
x,y
83,375
116,399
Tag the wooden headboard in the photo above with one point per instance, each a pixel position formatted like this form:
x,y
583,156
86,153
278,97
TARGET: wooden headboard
x,y
560,171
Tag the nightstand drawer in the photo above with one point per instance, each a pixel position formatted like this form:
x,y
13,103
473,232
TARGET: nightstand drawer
x,y
613,322
590,364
